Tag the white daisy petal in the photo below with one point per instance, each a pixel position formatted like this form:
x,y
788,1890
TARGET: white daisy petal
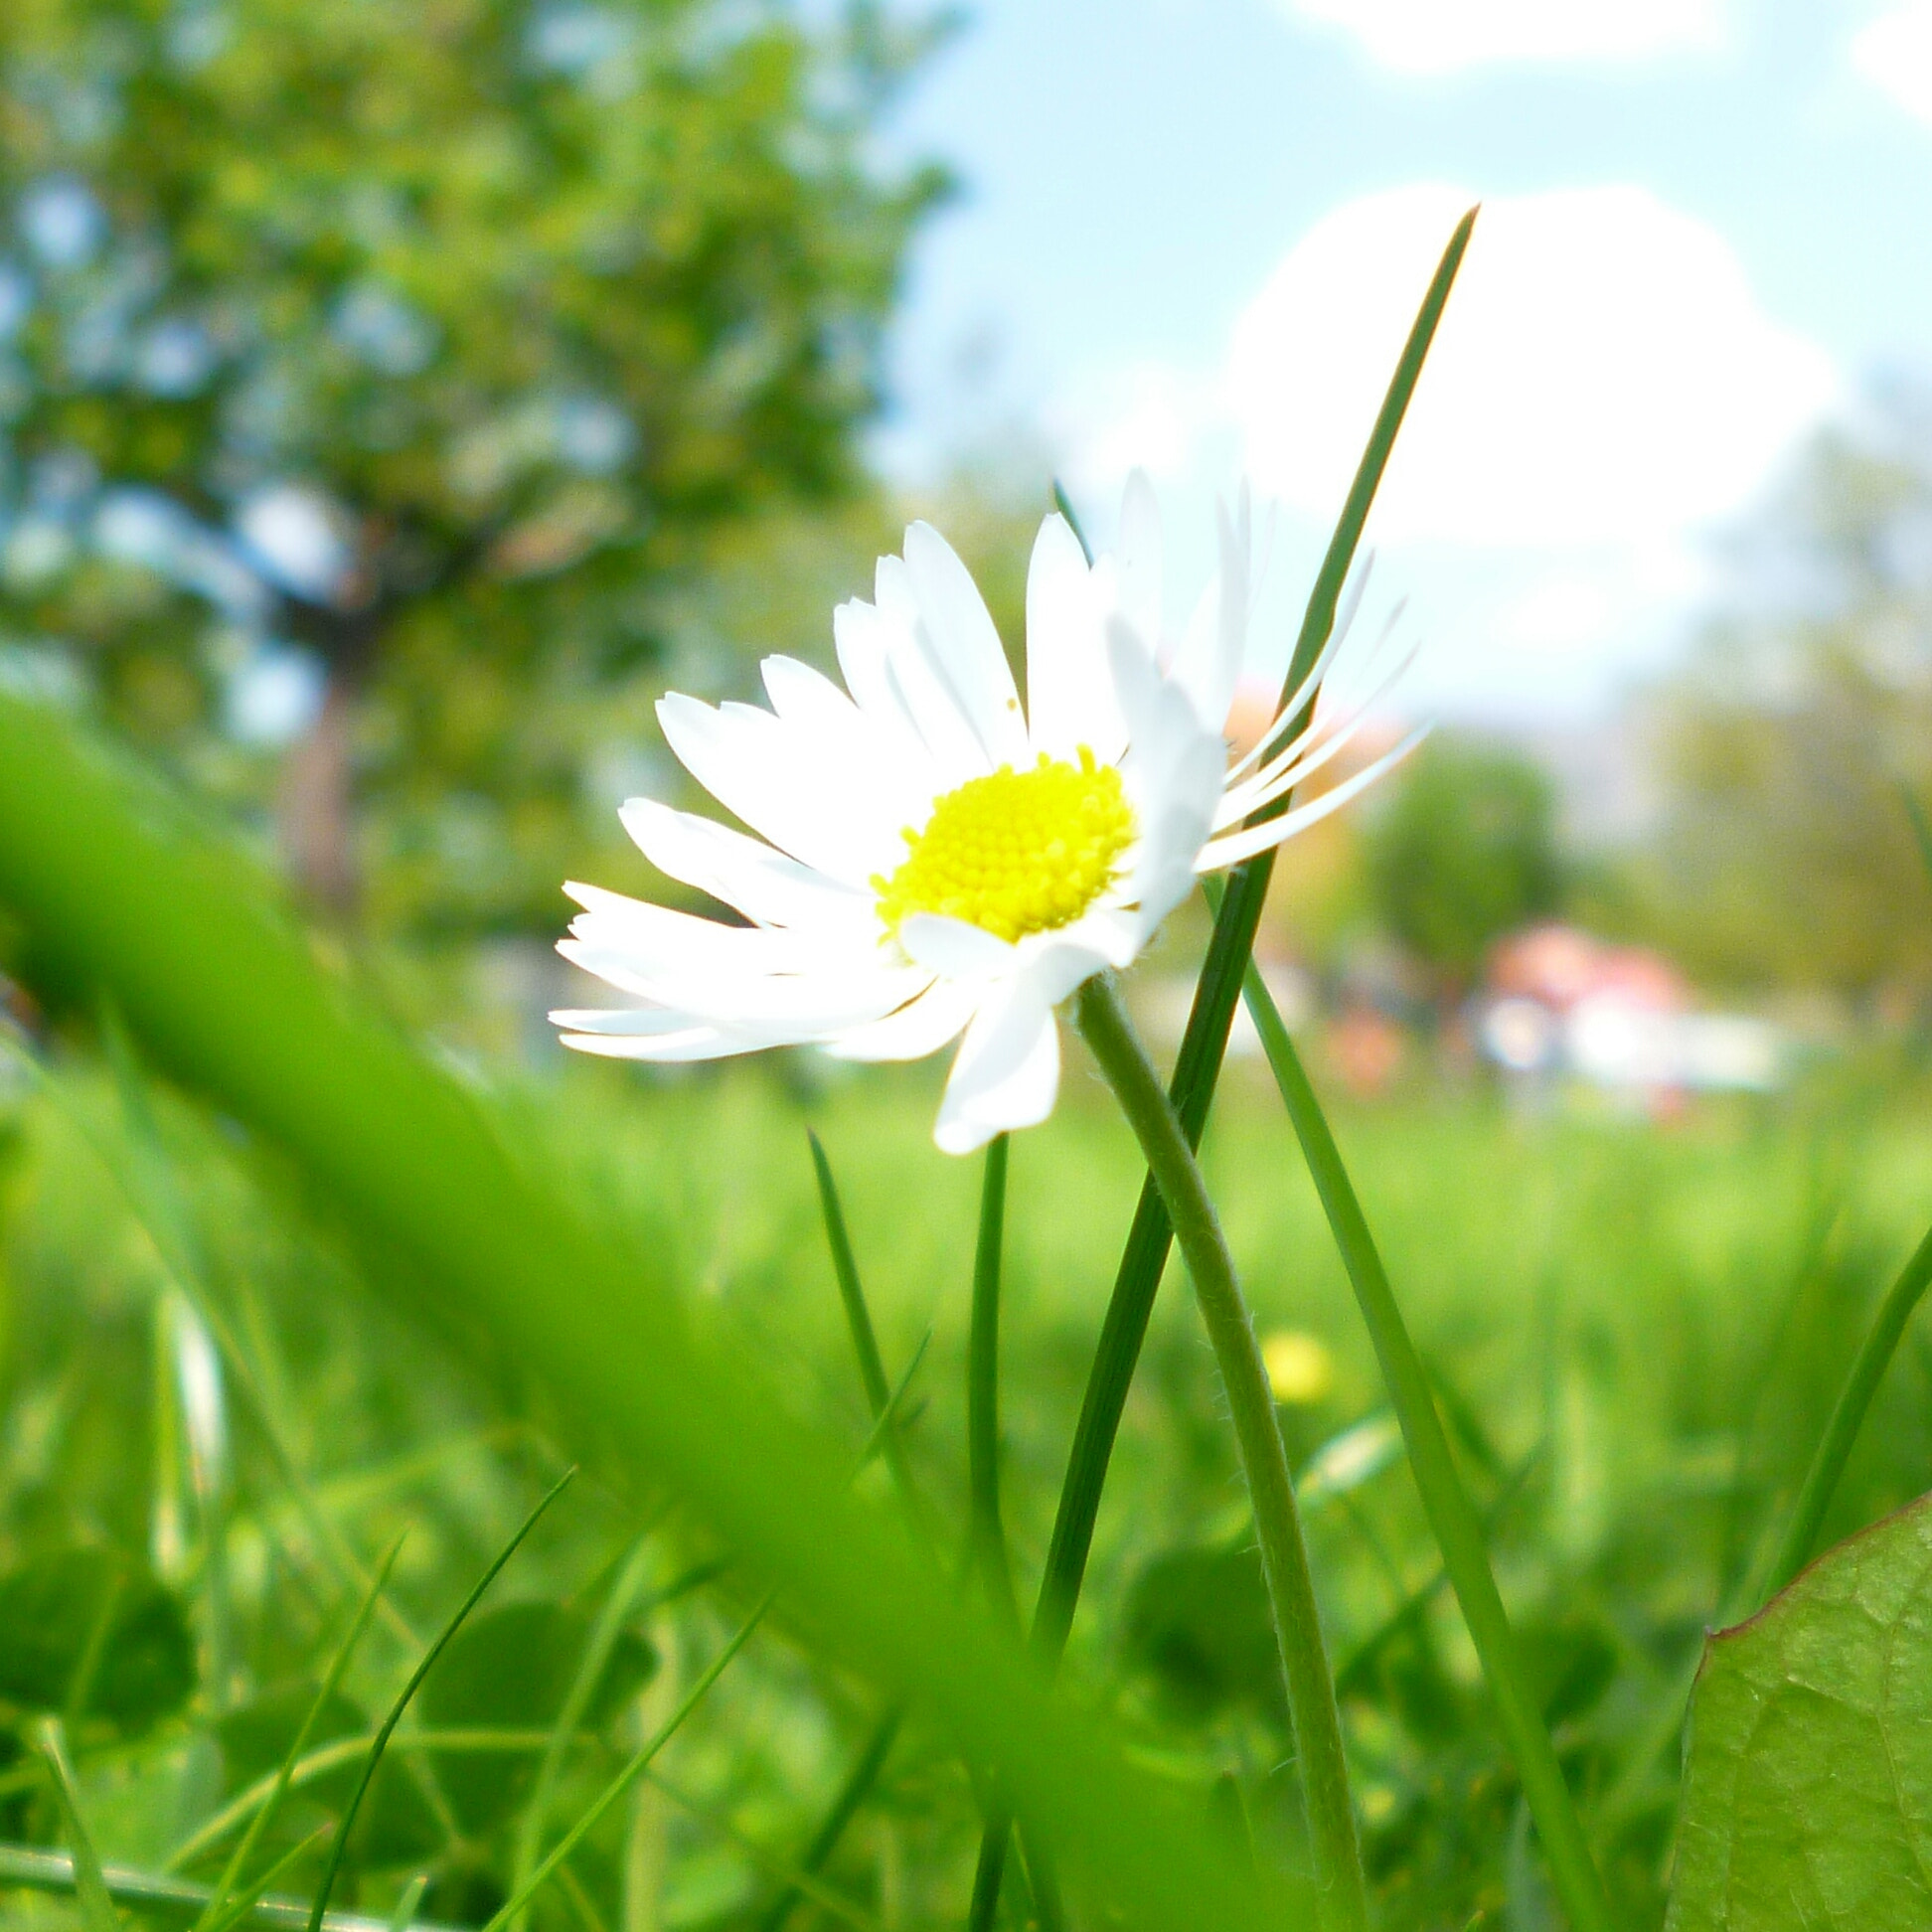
x,y
965,646
918,686
918,1028
1054,964
689,1043
1006,1074
1233,846
1070,695
759,769
955,948
834,783
746,874
655,938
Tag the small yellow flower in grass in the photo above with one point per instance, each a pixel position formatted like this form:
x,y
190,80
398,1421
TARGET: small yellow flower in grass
x,y
1301,1371
930,859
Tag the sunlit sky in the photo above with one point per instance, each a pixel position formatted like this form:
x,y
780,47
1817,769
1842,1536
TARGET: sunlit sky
x,y
1191,233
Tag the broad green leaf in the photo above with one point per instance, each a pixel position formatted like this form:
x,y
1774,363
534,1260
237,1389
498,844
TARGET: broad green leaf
x,y
92,1634
1808,1792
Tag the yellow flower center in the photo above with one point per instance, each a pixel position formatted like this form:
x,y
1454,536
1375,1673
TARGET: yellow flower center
x,y
1016,851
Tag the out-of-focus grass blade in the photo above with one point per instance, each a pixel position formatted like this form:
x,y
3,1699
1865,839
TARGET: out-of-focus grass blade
x,y
91,1887
406,1904
453,1742
1867,1367
331,1679
1452,1516
633,1770
624,1592
820,1893
149,1185
865,1337
241,1903
844,1809
340,1843
118,890
33,1868
1848,1418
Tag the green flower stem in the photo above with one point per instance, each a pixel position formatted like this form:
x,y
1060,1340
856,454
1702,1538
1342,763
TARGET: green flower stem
x,y
1197,1067
1458,1529
1847,1417
1341,1897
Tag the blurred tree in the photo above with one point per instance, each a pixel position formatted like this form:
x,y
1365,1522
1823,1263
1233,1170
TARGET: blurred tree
x,y
1785,856
1462,850
376,375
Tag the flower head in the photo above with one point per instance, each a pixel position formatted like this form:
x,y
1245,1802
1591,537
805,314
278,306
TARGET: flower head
x,y
930,859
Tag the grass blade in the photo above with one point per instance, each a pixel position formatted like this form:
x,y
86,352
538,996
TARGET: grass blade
x,y
33,1868
864,1338
617,1605
340,1844
1204,1042
983,1392
631,1772
845,1808
1848,1418
331,1679
241,1903
97,1912
1452,1516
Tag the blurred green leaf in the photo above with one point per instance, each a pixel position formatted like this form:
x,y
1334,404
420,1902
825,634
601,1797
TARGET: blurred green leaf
x,y
95,1611
1807,1784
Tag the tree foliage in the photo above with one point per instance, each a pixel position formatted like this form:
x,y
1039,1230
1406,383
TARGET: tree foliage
x,y
1462,850
428,349
1786,855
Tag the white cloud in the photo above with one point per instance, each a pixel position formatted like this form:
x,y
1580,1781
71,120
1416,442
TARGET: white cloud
x,y
1445,35
1894,52
1604,390
1603,371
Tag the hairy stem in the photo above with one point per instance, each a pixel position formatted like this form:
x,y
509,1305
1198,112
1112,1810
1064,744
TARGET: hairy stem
x,y
1342,1901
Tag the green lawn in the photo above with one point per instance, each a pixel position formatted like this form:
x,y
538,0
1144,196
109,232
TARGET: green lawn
x,y
1637,1330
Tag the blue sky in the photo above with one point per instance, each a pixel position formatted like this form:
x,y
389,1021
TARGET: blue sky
x,y
1190,233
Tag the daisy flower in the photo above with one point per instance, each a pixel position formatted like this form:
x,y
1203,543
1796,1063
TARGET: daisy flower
x,y
930,859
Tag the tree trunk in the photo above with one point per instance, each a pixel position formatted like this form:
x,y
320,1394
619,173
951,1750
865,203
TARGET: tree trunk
x,y
317,809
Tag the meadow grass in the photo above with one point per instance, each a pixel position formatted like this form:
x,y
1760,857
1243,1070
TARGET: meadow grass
x,y
1638,1331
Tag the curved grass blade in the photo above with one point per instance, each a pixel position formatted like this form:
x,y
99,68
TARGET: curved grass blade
x,y
453,1742
865,1337
116,888
266,1815
845,1808
241,1904
1848,1418
89,1885
633,1770
1452,1516
339,1844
